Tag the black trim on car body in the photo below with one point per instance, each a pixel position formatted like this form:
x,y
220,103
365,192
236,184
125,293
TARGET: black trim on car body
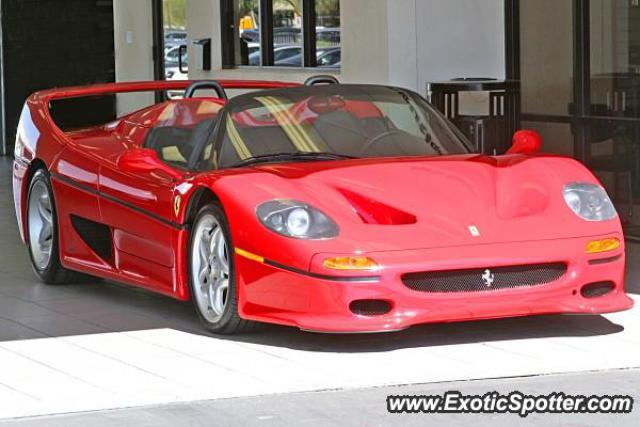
x,y
352,279
73,183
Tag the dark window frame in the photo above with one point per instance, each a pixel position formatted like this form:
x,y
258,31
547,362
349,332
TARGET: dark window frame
x,y
581,119
228,33
157,9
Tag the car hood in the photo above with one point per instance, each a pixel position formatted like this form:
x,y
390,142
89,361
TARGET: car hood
x,y
395,204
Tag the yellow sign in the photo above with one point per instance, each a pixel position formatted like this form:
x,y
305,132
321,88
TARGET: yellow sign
x,y
247,23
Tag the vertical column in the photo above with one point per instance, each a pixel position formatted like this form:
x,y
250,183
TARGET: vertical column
x,y
266,31
3,131
582,76
309,33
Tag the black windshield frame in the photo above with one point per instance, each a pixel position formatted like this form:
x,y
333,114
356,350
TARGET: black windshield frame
x,y
219,129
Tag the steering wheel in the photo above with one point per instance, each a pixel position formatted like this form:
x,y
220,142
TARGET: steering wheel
x,y
377,139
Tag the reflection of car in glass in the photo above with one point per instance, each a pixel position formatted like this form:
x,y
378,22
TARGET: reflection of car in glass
x,y
253,48
174,38
327,57
280,54
171,57
328,35
330,57
252,36
175,35
335,208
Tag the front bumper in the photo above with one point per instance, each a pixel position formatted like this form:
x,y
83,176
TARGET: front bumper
x,y
271,294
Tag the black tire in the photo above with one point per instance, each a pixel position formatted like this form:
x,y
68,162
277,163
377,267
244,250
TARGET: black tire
x,y
230,322
53,273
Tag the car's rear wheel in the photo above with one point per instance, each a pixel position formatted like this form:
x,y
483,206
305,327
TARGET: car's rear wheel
x,y
42,232
212,273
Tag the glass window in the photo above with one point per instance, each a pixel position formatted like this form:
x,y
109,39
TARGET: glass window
x,y
330,57
247,46
297,33
176,61
546,56
287,33
615,58
614,143
546,62
328,33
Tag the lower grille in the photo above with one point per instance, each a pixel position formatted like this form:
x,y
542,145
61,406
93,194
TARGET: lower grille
x,y
485,279
598,289
370,307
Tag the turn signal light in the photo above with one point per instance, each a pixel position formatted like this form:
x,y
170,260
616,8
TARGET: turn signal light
x,y
604,245
351,263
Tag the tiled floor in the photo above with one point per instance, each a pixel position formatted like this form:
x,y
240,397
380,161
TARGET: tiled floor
x,y
99,345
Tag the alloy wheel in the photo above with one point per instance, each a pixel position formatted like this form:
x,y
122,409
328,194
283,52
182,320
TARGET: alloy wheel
x,y
210,268
40,223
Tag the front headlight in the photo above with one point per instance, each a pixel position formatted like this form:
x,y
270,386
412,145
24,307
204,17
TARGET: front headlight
x,y
589,201
291,218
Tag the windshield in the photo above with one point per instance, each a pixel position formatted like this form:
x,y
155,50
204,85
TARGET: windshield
x,y
350,121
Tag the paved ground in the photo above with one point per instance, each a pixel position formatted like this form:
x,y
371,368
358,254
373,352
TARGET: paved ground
x,y
96,346
363,407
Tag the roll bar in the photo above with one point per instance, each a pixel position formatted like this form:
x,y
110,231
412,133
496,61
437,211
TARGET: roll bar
x,y
206,84
323,79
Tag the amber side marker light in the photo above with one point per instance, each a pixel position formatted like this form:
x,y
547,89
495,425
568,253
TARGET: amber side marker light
x,y
249,255
603,245
355,263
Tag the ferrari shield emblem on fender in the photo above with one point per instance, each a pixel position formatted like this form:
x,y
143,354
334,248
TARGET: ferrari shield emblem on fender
x,y
474,231
177,201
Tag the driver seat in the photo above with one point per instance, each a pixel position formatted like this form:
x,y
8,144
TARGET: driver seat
x,y
342,132
184,140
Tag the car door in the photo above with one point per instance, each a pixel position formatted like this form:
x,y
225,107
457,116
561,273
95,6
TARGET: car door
x,y
141,205
138,207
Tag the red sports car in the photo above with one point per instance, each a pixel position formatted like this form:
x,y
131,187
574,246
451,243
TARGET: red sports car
x,y
334,208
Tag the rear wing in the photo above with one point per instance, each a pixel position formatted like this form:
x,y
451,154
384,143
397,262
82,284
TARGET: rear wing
x,y
46,96
36,114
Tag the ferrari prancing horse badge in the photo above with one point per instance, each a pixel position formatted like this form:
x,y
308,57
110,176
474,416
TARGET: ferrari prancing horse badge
x,y
177,201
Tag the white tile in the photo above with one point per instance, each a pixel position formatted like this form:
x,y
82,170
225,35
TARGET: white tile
x,y
40,381
14,403
101,371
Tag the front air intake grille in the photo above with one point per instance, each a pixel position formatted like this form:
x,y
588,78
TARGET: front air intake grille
x,y
484,279
370,307
598,289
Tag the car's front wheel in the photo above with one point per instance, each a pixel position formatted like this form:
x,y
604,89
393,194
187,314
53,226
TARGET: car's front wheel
x,y
212,273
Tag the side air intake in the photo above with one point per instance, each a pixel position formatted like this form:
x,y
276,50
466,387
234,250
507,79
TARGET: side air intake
x,y
97,236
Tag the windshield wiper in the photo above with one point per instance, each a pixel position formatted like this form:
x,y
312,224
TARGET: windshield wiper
x,y
291,157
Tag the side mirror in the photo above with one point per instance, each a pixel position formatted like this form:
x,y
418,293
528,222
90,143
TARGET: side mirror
x,y
139,160
525,142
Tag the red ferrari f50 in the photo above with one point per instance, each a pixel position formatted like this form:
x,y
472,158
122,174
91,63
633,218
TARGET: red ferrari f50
x,y
335,208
